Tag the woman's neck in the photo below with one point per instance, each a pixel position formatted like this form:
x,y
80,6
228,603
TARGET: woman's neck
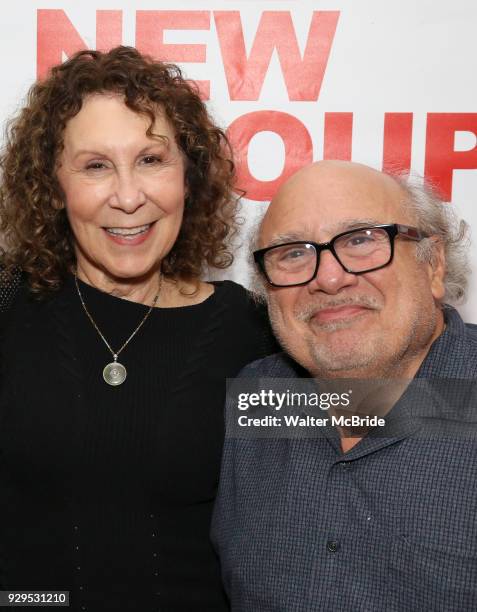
x,y
173,293
141,290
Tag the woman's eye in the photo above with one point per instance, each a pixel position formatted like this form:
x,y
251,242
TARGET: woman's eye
x,y
150,160
96,165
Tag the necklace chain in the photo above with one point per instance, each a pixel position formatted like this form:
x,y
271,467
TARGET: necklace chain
x,y
141,323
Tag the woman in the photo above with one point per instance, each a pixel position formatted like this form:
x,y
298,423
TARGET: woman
x,y
117,191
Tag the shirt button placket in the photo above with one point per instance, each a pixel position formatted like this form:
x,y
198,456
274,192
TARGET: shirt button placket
x,y
77,562
333,545
155,571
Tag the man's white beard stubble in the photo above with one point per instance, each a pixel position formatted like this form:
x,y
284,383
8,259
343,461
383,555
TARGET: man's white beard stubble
x,y
368,355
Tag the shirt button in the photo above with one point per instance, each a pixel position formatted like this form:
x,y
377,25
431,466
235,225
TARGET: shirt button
x,y
332,546
345,465
154,554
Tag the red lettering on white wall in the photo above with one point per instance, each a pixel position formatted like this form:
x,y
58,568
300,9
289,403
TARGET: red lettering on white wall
x,y
109,29
441,158
397,145
338,136
303,76
57,35
150,27
295,136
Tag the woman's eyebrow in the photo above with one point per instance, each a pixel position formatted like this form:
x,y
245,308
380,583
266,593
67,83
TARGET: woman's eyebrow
x,y
159,142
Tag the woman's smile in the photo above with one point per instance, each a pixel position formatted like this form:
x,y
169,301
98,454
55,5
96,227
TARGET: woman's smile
x,y
130,236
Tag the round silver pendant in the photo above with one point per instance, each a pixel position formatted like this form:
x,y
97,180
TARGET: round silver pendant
x,y
114,373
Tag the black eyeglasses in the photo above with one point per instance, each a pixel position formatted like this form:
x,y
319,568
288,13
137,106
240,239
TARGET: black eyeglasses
x,y
357,251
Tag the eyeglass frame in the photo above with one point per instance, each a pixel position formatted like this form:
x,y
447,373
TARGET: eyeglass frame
x,y
392,230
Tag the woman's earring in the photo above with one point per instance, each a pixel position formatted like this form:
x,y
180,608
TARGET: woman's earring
x,y
58,204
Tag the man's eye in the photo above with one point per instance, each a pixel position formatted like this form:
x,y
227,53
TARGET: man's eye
x,y
293,254
360,240
357,240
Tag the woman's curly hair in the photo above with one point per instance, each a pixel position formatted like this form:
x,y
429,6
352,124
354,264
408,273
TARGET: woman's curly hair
x,y
33,223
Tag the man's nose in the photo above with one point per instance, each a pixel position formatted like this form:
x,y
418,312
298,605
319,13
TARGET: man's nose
x,y
331,276
128,194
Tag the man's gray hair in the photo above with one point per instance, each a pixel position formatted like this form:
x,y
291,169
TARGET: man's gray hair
x,y
439,219
257,283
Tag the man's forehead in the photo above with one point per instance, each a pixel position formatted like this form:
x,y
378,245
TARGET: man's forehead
x,y
341,199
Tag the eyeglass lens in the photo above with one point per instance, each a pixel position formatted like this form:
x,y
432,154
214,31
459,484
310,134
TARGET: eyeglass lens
x,y
358,251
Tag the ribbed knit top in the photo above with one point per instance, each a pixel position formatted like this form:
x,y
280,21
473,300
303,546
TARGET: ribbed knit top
x,y
108,491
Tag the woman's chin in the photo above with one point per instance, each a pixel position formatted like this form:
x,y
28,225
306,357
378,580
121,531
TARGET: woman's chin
x,y
133,275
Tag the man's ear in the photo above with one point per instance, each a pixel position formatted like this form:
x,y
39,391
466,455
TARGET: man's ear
x,y
437,269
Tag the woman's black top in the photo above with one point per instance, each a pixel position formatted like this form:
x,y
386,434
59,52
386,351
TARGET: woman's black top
x,y
107,492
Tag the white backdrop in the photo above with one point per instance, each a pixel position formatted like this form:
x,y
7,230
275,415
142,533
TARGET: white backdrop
x,y
294,81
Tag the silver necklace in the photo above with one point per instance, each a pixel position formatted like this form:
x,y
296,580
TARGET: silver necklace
x,y
115,373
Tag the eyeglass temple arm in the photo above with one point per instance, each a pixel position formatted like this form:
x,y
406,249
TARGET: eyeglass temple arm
x,y
411,232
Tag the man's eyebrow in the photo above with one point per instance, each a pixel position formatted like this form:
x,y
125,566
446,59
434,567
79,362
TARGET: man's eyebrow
x,y
351,224
289,237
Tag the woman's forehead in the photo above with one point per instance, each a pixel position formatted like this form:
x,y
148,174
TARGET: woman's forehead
x,y
107,119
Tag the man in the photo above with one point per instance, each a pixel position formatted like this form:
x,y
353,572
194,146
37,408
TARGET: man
x,y
356,266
